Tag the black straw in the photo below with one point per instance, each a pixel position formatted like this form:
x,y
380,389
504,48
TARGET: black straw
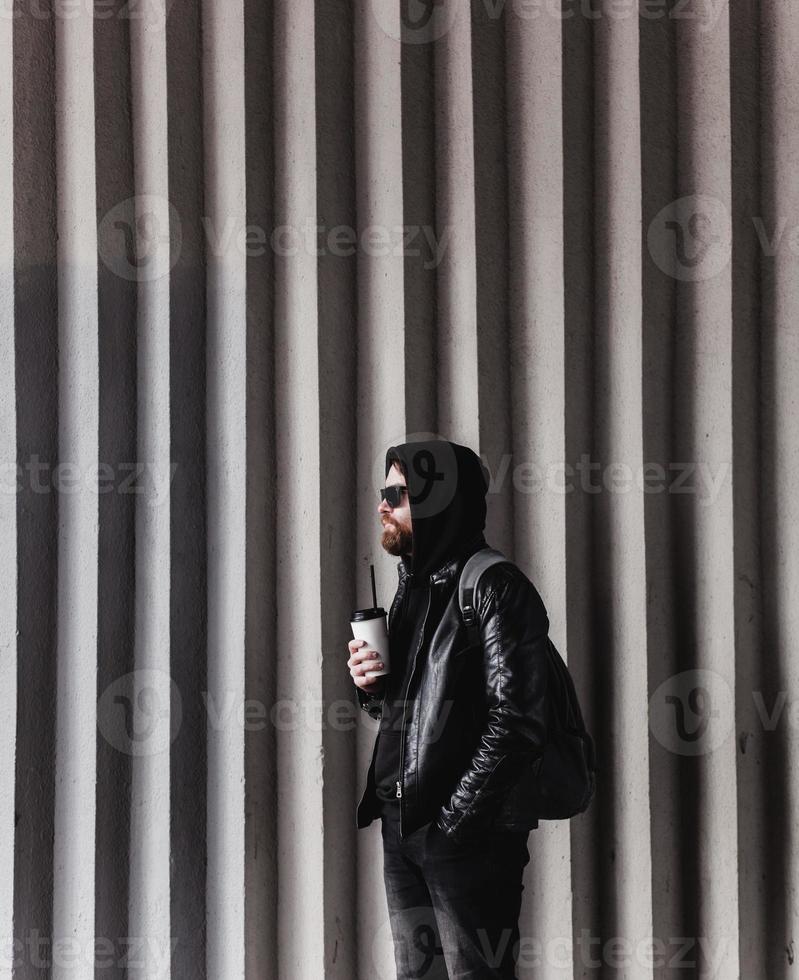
x,y
374,590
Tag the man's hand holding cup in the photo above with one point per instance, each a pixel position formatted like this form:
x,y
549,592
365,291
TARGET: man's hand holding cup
x,y
365,661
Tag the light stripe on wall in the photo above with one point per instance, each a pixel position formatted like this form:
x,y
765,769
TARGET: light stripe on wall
x,y
78,387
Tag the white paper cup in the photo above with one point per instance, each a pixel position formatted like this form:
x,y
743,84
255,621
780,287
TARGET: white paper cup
x,y
371,625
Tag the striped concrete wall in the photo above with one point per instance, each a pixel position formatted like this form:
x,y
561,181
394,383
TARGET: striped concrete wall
x,y
244,246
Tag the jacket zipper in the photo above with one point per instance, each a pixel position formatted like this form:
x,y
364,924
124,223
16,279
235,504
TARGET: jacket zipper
x,y
399,600
399,787
405,699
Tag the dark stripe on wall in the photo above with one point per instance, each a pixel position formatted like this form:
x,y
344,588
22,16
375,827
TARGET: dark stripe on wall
x,y
117,449
36,368
776,955
579,232
261,880
337,281
761,863
187,372
420,221
493,255
659,107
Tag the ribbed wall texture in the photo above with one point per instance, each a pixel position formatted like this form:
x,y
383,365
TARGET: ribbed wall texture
x,y
245,245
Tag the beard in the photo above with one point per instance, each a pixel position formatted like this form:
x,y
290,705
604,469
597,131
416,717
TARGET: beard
x,y
397,540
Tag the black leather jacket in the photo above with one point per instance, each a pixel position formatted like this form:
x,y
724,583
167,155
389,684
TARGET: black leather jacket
x,y
476,715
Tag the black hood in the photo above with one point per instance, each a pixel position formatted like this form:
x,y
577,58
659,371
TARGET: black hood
x,y
447,486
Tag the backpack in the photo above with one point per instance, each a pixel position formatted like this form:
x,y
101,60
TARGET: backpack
x,y
566,772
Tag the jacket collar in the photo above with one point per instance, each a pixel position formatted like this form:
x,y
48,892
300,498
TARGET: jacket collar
x,y
450,569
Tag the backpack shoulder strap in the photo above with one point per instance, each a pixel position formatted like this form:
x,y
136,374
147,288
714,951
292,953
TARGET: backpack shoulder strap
x,y
470,574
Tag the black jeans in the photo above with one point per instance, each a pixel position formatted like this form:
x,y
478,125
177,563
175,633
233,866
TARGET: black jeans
x,y
454,908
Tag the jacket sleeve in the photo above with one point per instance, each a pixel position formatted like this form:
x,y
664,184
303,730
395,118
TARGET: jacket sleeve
x,y
372,704
514,635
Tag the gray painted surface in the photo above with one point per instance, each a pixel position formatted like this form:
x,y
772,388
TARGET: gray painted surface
x,y
78,409
203,623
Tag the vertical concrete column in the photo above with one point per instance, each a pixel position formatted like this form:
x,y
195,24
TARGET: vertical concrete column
x,y
226,375
8,482
78,390
584,642
381,393
455,216
149,896
760,868
189,591
337,264
780,472
537,396
659,112
260,866
36,332
619,505
493,202
421,261
300,824
703,438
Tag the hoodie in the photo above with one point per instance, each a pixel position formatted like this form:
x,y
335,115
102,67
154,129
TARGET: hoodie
x,y
447,486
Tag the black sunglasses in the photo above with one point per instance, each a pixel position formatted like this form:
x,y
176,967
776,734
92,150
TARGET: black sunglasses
x,y
393,495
